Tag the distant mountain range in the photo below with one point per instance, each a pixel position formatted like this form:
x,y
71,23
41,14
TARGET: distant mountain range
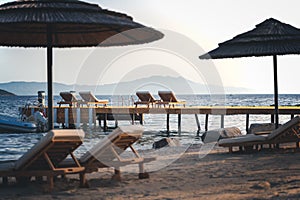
x,y
177,84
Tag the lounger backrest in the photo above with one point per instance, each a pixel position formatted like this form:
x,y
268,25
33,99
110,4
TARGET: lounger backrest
x,y
68,96
145,96
167,96
88,96
57,144
285,128
120,139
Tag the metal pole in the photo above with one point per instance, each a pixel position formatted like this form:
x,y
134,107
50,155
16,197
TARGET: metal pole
x,y
49,76
276,90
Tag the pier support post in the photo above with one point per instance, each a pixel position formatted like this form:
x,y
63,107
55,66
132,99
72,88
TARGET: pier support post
x,y
116,120
99,120
179,124
247,122
54,115
141,118
206,122
198,125
132,118
90,118
105,122
272,118
78,118
222,121
67,117
168,124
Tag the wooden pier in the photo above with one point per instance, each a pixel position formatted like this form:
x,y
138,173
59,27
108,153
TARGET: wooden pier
x,y
74,116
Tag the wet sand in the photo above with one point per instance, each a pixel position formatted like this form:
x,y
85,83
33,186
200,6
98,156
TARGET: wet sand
x,y
219,175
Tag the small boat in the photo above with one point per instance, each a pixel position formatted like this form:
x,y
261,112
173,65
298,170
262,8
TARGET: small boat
x,y
15,125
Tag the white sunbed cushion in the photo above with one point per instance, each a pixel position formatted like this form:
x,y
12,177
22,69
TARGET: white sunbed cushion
x,y
243,139
215,135
97,149
69,135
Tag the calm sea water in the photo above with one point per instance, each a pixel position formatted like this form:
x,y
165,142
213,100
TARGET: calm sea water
x,y
13,145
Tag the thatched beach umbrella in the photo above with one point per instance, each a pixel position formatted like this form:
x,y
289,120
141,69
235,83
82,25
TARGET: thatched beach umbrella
x,y
66,23
269,38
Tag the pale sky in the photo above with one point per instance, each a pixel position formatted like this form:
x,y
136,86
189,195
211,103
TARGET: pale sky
x,y
205,23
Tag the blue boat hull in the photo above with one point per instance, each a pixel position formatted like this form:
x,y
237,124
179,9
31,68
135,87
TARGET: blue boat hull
x,y
10,124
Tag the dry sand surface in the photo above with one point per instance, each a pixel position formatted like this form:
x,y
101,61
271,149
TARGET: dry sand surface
x,y
219,175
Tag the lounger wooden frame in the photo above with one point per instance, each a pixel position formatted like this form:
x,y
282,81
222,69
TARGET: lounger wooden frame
x,y
169,98
145,98
287,133
44,157
68,98
107,154
89,99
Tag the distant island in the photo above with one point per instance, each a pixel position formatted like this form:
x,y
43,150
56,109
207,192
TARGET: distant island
x,y
179,85
5,93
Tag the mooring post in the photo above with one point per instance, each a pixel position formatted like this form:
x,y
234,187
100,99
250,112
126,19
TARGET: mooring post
x,y
179,124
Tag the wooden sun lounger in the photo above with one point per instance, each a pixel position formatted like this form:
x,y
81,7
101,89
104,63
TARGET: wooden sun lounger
x,y
145,98
88,99
108,153
68,98
43,158
169,98
287,133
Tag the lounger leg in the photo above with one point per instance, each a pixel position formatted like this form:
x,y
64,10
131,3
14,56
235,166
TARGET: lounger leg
x,y
230,149
39,179
50,183
142,174
83,181
5,180
117,175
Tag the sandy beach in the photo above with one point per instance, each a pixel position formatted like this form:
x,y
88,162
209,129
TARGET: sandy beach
x,y
219,175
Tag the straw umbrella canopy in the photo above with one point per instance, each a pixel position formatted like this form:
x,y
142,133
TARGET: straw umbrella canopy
x,y
66,23
269,38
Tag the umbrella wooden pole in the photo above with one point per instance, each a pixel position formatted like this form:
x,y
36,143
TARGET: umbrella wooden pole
x,y
49,77
276,91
